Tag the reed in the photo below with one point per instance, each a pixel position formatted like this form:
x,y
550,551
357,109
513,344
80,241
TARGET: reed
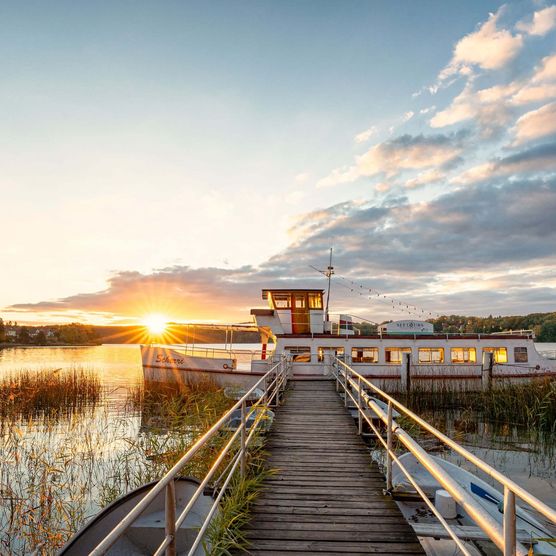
x,y
29,393
531,404
224,534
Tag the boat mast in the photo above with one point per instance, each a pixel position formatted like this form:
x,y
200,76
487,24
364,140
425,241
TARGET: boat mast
x,y
329,272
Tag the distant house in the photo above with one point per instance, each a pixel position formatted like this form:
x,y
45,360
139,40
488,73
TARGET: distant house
x,y
11,333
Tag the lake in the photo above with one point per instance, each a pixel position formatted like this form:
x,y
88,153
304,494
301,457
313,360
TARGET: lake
x,y
99,440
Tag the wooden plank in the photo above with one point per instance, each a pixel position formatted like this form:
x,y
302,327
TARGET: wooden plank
x,y
325,495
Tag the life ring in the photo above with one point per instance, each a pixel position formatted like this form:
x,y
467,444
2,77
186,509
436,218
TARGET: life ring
x,y
225,366
538,367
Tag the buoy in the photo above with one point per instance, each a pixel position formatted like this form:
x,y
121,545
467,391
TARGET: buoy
x,y
445,504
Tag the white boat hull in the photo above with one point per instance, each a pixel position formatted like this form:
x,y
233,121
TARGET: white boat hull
x,y
170,366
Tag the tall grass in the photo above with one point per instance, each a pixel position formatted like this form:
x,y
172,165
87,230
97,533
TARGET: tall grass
x,y
225,533
531,404
29,393
56,473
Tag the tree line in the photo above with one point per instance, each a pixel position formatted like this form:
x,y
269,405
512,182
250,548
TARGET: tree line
x,y
542,324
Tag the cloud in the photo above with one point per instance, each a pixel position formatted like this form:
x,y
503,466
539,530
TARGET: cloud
x,y
489,48
365,135
543,21
302,178
539,159
408,115
406,152
425,178
536,124
493,107
546,71
496,238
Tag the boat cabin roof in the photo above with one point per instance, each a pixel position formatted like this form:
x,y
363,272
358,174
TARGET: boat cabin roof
x,y
290,290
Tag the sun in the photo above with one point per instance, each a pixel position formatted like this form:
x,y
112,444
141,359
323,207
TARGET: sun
x,y
156,324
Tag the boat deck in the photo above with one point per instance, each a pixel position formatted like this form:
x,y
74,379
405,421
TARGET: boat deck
x,y
326,494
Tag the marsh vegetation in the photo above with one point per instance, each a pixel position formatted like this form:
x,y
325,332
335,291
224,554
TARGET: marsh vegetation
x,y
62,459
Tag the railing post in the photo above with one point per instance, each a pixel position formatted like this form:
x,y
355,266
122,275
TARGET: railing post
x,y
345,387
359,408
509,523
337,372
242,438
170,507
277,387
389,449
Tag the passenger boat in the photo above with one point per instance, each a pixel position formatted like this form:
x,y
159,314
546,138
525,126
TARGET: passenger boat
x,y
299,328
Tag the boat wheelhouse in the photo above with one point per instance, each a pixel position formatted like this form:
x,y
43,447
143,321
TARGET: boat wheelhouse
x,y
296,324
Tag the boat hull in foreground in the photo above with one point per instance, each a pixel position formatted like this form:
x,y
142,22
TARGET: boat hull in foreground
x,y
147,533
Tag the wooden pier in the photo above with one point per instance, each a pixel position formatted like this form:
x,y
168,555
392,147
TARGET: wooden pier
x,y
326,496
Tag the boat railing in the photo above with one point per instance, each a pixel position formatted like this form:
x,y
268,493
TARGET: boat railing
x,y
272,384
360,391
223,353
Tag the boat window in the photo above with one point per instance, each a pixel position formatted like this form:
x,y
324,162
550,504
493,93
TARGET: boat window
x,y
300,354
281,300
328,351
394,354
500,354
520,355
299,301
431,355
364,355
464,355
315,301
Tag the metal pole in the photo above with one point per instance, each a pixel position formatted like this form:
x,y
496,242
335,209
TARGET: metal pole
x,y
242,439
359,408
170,528
389,449
345,388
509,523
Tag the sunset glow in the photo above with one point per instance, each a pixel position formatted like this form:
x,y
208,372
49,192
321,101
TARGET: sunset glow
x,y
156,324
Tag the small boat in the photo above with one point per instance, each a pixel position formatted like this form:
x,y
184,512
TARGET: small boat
x,y
265,416
530,532
147,532
236,393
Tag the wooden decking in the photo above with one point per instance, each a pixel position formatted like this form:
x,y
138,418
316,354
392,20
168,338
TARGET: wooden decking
x,y
326,496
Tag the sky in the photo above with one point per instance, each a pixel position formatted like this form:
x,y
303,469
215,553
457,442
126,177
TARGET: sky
x,y
176,157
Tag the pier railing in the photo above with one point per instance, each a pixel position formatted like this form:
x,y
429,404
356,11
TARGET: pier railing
x,y
272,385
361,391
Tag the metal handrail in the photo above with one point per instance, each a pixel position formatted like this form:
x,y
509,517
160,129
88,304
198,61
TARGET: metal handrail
x,y
505,539
275,381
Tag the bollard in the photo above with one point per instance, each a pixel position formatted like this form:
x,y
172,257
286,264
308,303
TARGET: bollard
x,y
486,371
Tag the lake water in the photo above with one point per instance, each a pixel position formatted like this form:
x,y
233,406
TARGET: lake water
x,y
104,435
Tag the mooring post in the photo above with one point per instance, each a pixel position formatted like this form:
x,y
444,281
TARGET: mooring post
x,y
170,526
242,439
486,371
406,373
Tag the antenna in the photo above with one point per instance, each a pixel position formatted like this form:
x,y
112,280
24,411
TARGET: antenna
x,y
328,273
